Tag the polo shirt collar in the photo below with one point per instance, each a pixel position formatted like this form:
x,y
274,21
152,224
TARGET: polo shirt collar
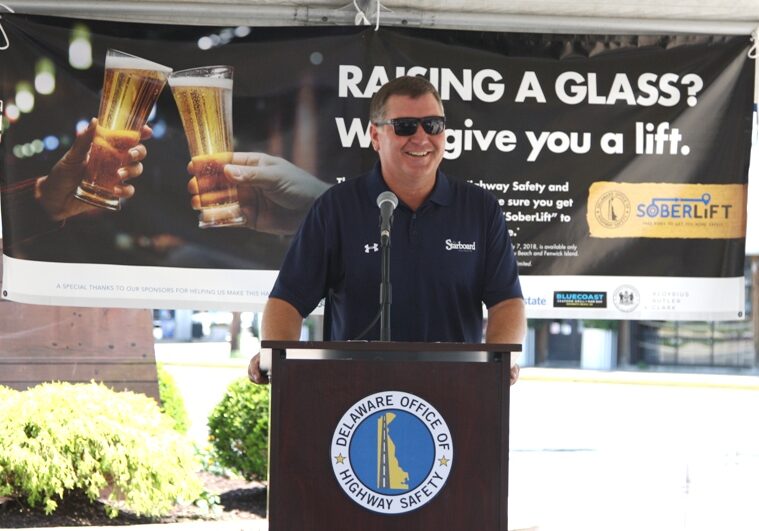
x,y
441,193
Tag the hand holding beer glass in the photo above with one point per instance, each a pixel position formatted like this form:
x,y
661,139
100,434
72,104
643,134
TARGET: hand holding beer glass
x,y
204,99
130,89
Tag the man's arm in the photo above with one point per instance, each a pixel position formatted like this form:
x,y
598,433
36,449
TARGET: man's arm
x,y
507,324
281,321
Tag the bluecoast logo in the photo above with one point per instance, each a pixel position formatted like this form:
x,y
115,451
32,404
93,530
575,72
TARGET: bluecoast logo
x,y
451,245
579,299
391,452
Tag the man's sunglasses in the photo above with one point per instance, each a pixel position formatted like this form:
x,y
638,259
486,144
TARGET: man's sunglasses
x,y
432,125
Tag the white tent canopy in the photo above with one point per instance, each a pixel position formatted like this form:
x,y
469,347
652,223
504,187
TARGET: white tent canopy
x,y
588,16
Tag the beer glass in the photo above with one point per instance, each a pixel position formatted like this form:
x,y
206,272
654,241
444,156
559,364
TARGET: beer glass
x,y
130,89
204,99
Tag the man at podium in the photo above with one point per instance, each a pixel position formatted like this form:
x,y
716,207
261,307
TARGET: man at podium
x,y
451,250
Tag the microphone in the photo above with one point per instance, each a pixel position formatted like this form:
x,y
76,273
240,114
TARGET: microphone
x,y
386,201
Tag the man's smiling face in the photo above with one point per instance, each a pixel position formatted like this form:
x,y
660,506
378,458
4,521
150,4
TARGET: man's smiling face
x,y
409,158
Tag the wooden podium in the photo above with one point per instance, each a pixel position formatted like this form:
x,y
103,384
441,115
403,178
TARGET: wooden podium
x,y
388,436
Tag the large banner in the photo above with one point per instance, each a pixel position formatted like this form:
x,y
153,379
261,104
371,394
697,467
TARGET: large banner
x,y
621,162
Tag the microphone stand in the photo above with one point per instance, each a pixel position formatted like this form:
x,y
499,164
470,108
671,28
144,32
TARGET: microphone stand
x,y
386,292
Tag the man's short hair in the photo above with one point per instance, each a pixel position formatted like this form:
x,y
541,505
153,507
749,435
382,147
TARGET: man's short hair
x,y
412,86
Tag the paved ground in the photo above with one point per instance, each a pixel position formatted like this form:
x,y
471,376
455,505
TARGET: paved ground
x,y
634,451
610,451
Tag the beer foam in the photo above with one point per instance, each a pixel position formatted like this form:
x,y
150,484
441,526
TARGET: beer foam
x,y
134,63
200,82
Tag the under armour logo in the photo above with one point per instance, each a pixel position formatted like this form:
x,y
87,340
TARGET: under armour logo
x,y
373,248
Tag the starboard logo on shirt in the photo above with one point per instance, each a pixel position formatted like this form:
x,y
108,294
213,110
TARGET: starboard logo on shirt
x,y
451,245
391,452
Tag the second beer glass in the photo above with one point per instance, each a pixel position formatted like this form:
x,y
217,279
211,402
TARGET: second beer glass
x,y
204,99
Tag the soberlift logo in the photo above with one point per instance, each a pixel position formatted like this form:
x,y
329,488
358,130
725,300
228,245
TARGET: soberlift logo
x,y
667,210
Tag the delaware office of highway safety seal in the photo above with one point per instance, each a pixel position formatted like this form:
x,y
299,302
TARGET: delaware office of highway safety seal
x,y
612,209
392,452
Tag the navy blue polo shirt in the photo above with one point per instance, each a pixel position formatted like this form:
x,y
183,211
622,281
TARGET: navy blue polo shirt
x,y
446,259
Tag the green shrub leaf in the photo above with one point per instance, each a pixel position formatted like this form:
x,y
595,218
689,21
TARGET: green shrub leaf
x,y
239,429
59,438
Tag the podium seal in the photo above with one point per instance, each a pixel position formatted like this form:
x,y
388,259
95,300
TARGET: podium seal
x,y
392,452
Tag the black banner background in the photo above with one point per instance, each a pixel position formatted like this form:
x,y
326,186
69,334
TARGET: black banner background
x,y
286,104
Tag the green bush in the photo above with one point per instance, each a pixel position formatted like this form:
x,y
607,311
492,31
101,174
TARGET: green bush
x,y
60,438
6,393
172,403
239,429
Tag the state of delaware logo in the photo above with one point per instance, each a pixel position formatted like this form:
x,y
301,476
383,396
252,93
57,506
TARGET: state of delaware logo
x,y
392,452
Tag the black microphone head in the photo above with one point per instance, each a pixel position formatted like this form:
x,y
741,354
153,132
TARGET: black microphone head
x,y
387,196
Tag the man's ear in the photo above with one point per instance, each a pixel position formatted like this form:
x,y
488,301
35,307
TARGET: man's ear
x,y
374,134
